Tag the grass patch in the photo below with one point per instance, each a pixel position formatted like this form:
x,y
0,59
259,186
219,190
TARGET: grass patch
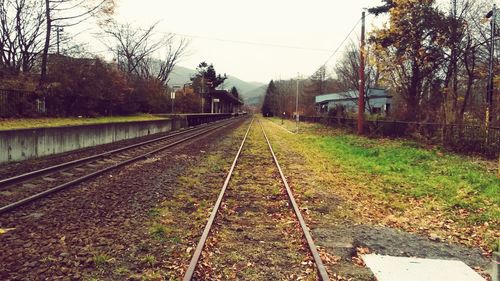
x,y
121,271
102,260
24,123
154,212
149,260
415,172
158,231
399,177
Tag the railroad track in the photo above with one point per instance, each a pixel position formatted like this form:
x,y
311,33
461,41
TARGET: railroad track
x,y
253,211
22,189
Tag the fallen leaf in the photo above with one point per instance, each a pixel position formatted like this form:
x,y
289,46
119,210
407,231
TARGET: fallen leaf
x,y
5,230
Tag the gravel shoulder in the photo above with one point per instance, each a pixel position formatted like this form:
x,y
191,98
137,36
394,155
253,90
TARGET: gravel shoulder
x,y
108,228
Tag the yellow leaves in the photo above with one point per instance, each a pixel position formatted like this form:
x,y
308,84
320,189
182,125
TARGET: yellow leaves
x,y
5,230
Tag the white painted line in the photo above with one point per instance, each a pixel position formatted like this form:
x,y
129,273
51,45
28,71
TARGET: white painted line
x,y
387,268
281,127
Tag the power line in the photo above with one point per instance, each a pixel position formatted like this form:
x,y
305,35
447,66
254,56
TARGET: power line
x,y
249,42
343,41
243,42
341,44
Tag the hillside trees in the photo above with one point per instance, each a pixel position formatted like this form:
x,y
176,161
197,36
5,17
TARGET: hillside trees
x,y
318,81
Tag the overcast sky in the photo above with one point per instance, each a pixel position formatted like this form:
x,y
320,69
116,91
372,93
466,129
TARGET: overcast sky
x,y
285,37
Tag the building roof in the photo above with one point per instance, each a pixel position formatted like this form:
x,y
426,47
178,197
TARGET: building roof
x,y
351,95
225,95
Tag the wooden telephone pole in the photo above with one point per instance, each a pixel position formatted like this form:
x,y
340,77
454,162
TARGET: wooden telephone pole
x,y
361,94
489,94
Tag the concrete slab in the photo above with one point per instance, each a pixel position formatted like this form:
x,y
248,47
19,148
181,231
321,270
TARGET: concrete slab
x,y
388,268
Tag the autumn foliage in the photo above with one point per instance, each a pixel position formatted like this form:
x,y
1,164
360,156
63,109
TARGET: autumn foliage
x,y
101,89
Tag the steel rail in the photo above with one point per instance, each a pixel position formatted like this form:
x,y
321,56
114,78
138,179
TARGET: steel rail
x,y
201,244
310,242
26,176
45,193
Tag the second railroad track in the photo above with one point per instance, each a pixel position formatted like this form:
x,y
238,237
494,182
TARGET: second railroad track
x,y
24,188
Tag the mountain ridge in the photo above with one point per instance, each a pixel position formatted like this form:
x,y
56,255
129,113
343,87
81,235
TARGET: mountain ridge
x,y
251,92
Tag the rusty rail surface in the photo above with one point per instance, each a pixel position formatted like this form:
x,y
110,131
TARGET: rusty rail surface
x,y
199,248
201,243
310,242
186,135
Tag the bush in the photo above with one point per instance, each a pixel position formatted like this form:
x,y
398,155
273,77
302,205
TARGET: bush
x,y
85,87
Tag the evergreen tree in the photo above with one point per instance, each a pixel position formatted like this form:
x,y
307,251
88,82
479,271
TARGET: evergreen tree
x,y
206,78
270,104
234,92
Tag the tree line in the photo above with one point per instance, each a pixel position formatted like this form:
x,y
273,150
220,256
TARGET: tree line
x,y
73,81
433,59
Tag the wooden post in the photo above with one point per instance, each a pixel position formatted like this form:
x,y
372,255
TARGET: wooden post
x,y
361,94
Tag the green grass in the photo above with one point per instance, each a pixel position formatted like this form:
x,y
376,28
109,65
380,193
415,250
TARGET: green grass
x,y
149,260
23,123
396,183
158,231
101,260
405,168
416,172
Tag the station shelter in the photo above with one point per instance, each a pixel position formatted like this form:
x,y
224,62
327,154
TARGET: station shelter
x,y
222,101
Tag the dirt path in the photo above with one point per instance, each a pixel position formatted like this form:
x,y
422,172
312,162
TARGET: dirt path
x,y
256,235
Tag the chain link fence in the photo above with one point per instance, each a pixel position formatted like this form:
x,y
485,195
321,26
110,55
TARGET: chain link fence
x,y
462,138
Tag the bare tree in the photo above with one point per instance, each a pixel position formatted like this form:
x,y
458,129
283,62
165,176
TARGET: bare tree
x,y
65,13
132,47
347,71
175,50
466,56
134,50
21,36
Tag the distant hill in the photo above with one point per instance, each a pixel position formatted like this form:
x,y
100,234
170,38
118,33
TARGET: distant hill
x,y
180,75
255,96
251,92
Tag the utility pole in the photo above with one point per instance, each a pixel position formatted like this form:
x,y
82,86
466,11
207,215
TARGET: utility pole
x,y
297,106
202,94
489,94
172,97
58,31
361,94
454,72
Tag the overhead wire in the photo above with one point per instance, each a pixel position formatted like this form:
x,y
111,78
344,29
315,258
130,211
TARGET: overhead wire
x,y
272,45
253,43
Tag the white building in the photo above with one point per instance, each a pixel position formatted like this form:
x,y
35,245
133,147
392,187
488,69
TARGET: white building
x,y
377,101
